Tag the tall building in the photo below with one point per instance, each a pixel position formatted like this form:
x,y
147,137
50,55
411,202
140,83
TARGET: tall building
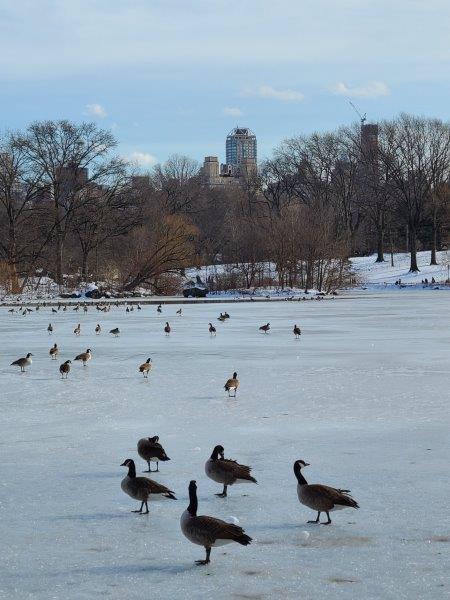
x,y
240,165
240,145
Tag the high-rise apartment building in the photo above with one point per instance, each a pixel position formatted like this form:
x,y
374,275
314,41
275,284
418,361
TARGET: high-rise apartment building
x,y
240,165
240,145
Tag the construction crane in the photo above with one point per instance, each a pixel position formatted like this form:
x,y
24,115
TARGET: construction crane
x,y
363,117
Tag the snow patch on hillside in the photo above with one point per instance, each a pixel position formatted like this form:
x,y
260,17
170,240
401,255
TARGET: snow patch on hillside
x,y
370,272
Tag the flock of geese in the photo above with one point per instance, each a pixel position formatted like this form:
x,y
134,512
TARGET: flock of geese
x,y
202,530
208,531
231,385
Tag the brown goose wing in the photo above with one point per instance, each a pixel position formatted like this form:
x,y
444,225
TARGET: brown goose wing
x,y
232,470
143,487
330,496
209,529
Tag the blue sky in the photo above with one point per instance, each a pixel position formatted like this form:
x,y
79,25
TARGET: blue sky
x,y
176,75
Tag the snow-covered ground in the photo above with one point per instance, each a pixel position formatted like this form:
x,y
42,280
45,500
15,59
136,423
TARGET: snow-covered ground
x,y
363,397
370,272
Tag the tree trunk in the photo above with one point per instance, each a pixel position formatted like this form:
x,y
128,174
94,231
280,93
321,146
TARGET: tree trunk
x,y
413,250
84,263
380,241
433,260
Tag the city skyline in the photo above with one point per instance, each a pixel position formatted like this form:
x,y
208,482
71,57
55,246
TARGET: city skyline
x,y
278,70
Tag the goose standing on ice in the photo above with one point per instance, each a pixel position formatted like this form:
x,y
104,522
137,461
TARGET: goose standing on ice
x,y
297,332
141,488
265,328
23,362
167,328
159,309
115,332
64,369
146,367
212,329
77,329
321,498
54,351
208,532
50,329
98,329
151,451
84,357
232,384
179,312
226,471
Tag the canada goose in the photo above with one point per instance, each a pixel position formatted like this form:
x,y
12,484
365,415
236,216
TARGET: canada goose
x,y
64,308
54,310
167,328
179,312
265,328
64,369
159,309
297,332
50,329
232,384
77,307
115,331
212,329
207,531
54,351
226,471
127,309
151,451
84,356
12,310
321,497
146,367
23,362
139,307
98,329
77,329
141,488
221,318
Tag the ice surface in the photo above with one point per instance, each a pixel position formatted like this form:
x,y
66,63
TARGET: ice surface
x,y
363,397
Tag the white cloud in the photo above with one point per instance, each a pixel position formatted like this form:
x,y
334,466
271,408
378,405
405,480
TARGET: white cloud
x,y
267,91
143,159
373,89
232,112
96,110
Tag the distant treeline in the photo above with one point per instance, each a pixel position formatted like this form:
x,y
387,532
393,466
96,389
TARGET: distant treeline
x,y
72,210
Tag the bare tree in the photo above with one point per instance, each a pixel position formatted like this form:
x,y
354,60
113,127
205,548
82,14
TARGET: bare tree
x,y
178,182
166,245
67,158
416,151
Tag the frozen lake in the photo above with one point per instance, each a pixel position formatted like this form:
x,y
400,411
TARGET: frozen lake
x,y
363,397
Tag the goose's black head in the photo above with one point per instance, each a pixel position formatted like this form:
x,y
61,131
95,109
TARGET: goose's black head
x,y
234,375
29,354
218,452
149,360
127,463
301,464
68,362
153,439
88,350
